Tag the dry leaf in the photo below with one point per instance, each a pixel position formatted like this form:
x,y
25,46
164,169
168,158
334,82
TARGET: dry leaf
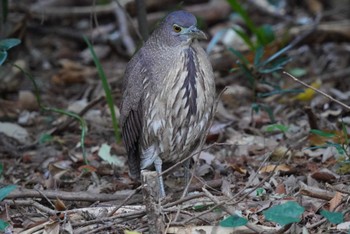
x,y
280,189
270,168
324,175
59,205
335,201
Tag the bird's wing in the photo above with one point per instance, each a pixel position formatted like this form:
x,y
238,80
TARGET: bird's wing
x,y
131,114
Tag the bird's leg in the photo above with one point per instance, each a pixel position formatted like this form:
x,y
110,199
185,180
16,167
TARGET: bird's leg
x,y
158,166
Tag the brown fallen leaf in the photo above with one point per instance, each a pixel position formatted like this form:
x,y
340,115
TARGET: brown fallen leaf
x,y
59,205
324,175
335,201
280,189
270,168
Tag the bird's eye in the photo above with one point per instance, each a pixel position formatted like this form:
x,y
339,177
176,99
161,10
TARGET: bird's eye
x,y
176,28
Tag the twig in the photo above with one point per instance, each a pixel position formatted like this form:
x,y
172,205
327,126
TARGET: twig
x,y
130,20
238,195
317,90
70,196
47,199
182,200
224,207
142,18
124,202
338,189
123,28
310,226
315,192
32,203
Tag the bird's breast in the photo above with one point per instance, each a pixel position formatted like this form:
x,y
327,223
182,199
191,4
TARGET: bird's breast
x,y
178,115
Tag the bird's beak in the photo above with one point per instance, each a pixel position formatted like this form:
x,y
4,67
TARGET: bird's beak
x,y
194,32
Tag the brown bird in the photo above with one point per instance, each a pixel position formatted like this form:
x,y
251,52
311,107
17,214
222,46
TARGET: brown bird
x,y
168,96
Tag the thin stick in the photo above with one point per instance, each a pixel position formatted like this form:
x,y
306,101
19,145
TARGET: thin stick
x,y
318,91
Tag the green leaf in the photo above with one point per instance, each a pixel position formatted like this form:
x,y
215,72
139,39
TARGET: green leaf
x,y
275,65
345,132
260,192
270,70
274,127
233,70
3,225
236,6
233,221
3,56
258,55
6,191
256,107
297,71
106,88
44,138
280,91
322,133
284,214
7,44
333,217
337,146
269,111
265,34
277,54
248,73
239,56
215,40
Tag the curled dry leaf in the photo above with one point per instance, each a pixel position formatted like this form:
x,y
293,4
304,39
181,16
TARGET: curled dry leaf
x,y
324,175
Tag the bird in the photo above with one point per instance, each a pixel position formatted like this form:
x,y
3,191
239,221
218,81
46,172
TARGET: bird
x,y
168,97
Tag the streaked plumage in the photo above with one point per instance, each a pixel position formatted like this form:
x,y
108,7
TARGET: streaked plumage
x,y
168,96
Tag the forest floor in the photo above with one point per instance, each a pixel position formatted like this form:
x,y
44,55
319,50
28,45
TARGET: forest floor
x,y
276,157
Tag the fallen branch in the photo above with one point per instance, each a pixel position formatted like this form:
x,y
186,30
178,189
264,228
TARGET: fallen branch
x,y
73,196
315,192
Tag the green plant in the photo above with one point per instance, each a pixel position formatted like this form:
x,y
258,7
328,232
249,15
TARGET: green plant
x,y
337,139
284,214
262,68
5,45
3,193
106,88
277,127
333,217
233,221
264,34
81,121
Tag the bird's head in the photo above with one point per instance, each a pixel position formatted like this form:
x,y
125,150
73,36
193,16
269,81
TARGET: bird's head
x,y
180,27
